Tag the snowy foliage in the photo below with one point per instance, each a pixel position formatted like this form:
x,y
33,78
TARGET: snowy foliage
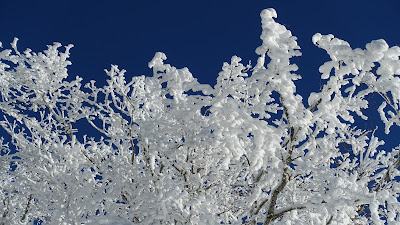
x,y
248,150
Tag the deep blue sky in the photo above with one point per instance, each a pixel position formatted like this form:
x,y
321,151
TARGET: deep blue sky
x,y
200,35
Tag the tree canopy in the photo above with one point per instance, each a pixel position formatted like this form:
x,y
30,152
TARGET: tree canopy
x,y
171,150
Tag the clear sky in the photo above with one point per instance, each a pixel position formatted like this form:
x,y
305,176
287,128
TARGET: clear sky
x,y
200,35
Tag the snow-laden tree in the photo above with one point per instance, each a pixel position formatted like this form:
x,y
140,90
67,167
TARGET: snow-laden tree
x,y
248,150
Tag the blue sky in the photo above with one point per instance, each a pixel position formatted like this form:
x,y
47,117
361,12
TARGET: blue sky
x,y
200,35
